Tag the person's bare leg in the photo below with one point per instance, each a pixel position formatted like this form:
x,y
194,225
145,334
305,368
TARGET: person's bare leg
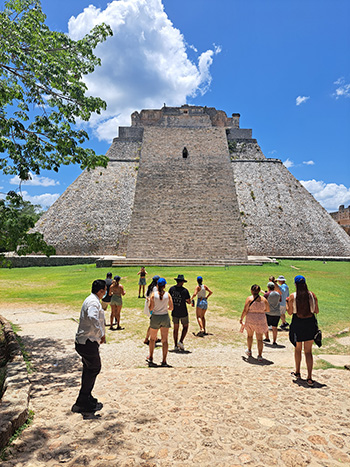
x,y
260,344
203,321
117,315
146,341
199,319
139,291
309,358
152,342
164,335
297,357
184,332
274,334
250,341
113,307
176,333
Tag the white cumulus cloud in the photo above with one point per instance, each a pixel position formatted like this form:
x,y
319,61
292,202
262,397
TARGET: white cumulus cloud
x,y
301,99
144,65
34,180
309,162
329,195
45,200
288,163
343,89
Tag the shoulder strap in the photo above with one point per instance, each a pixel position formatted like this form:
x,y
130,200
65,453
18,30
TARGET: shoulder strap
x,y
253,301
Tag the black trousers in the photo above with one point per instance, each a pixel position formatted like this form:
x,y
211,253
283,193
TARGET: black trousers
x,y
90,355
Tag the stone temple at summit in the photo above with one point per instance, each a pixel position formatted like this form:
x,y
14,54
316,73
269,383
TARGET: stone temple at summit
x,y
189,183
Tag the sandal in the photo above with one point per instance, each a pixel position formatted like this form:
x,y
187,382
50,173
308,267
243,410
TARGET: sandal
x,y
297,375
310,382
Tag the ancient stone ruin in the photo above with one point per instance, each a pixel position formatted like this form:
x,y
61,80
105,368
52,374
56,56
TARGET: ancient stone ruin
x,y
189,183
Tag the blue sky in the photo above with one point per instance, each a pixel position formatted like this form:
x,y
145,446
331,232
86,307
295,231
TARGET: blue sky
x,y
283,65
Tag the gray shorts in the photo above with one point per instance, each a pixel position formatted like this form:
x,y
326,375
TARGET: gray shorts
x,y
159,321
142,281
184,320
116,300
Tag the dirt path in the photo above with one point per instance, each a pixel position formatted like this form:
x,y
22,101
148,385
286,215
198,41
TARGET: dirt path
x,y
212,408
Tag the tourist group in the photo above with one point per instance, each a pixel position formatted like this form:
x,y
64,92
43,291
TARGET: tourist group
x,y
261,314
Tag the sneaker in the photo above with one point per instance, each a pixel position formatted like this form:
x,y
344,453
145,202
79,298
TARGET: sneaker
x,y
284,326
260,359
248,353
181,346
270,328
266,340
274,344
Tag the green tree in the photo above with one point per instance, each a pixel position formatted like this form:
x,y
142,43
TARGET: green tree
x,y
16,218
42,96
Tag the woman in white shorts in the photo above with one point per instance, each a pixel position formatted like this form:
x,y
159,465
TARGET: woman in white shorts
x,y
160,303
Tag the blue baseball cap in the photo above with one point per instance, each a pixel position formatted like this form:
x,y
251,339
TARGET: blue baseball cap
x,y
155,278
161,281
199,278
299,279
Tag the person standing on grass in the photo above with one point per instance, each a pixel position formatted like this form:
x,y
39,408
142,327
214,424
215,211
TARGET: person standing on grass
x,y
90,334
116,291
151,288
254,312
285,293
160,303
106,300
202,292
181,297
273,315
303,306
142,281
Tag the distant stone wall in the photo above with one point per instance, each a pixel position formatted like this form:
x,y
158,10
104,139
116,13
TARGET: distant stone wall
x,y
342,217
280,217
92,216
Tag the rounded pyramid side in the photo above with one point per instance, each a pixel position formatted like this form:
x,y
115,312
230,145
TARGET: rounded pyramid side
x,y
280,217
92,216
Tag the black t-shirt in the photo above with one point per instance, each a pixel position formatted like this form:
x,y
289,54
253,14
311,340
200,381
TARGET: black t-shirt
x,y
107,297
179,296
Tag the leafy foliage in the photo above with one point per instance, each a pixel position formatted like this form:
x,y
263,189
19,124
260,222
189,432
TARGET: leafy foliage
x,y
42,94
16,218
42,97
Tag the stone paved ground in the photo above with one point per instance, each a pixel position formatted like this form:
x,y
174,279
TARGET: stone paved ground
x,y
213,408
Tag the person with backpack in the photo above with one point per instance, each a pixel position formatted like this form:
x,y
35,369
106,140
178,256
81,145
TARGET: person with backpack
x,y
254,312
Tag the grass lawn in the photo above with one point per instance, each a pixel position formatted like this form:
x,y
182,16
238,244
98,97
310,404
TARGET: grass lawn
x,y
69,285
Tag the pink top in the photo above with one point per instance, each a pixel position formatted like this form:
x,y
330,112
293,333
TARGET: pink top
x,y
257,307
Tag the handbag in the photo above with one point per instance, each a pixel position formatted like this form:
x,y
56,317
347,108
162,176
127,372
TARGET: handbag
x,y
318,335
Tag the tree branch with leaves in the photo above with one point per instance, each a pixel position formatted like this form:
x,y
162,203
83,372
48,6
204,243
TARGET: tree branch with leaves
x,y
43,94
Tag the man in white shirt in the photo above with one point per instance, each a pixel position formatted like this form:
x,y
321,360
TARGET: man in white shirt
x,y
90,334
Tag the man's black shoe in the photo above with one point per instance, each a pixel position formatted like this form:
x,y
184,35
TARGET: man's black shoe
x,y
88,408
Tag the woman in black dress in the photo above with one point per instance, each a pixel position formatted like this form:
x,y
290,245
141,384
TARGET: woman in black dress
x,y
303,305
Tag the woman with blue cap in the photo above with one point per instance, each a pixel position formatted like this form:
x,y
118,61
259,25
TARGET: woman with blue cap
x,y
151,288
203,293
160,304
303,306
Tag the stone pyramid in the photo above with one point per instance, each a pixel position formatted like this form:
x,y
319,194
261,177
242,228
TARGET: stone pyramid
x,y
188,183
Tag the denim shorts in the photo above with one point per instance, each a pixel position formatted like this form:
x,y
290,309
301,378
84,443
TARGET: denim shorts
x,y
202,303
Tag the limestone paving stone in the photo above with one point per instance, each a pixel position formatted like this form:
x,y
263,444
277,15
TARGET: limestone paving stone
x,y
211,408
